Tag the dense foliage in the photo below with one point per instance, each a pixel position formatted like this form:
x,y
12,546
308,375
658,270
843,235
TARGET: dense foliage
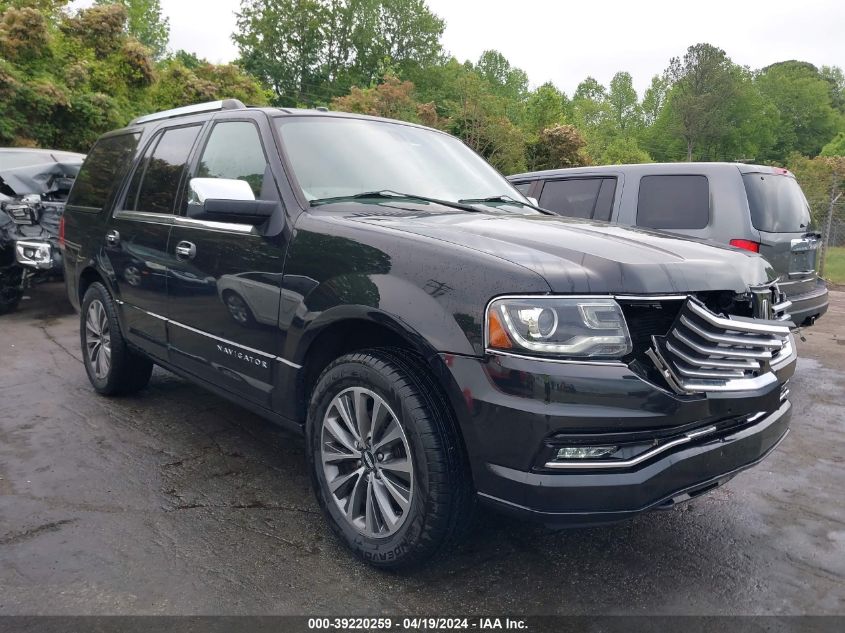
x,y
65,79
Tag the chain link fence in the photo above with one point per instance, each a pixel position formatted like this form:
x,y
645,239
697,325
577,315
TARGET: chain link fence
x,y
837,230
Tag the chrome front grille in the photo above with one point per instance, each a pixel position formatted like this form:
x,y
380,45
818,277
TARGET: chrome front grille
x,y
706,352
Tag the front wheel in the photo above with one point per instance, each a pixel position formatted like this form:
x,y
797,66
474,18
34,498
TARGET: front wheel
x,y
113,368
386,461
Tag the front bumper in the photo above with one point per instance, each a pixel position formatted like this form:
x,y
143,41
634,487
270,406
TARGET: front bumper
x,y
519,411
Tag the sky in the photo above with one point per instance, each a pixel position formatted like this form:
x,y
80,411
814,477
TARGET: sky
x,y
564,41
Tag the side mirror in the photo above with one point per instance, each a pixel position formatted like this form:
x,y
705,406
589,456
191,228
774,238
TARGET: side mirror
x,y
226,200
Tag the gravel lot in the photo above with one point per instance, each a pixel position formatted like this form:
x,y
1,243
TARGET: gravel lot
x,y
177,502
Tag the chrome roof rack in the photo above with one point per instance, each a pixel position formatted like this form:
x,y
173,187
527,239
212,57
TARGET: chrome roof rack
x,y
211,106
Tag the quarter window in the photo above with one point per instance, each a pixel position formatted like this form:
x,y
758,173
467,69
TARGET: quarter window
x,y
102,171
159,174
674,202
234,151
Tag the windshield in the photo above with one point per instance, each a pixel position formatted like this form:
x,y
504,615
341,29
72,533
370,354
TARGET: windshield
x,y
336,157
777,203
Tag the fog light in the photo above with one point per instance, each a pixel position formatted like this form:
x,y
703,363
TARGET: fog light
x,y
585,452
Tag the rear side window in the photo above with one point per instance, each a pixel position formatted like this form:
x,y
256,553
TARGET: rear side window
x,y
777,203
523,187
104,167
674,202
234,151
156,181
574,198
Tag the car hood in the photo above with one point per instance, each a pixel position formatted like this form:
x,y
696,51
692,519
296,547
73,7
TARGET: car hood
x,y
40,179
578,256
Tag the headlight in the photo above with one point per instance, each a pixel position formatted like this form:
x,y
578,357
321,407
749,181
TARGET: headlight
x,y
554,326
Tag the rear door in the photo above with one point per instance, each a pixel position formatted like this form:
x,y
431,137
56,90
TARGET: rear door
x,y
779,211
224,294
137,235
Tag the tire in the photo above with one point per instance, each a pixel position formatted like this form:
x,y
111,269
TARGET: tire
x,y
112,367
436,488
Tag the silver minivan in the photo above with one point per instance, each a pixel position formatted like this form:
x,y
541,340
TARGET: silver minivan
x,y
758,208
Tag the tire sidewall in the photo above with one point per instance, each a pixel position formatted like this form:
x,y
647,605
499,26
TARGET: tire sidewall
x,y
97,293
393,549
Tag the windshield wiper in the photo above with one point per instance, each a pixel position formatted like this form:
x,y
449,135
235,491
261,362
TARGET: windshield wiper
x,y
507,200
388,193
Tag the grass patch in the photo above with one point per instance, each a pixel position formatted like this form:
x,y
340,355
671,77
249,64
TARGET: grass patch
x,y
834,267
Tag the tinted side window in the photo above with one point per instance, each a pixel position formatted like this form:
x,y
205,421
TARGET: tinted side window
x,y
131,201
674,202
523,187
160,184
104,167
234,151
604,203
573,198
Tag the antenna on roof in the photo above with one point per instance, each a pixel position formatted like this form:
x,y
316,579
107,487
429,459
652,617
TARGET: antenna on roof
x,y
211,106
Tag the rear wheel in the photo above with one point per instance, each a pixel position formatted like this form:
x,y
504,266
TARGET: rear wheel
x,y
386,462
113,368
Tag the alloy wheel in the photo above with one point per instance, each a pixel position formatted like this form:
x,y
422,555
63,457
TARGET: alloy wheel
x,y
367,462
98,339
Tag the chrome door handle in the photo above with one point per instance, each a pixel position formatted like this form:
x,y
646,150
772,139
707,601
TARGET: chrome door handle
x,y
186,250
112,238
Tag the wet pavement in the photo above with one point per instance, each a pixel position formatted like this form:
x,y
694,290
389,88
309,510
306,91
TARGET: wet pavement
x,y
175,501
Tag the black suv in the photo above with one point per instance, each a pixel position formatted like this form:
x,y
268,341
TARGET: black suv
x,y
439,340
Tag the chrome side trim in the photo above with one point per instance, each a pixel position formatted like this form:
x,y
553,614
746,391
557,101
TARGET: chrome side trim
x,y
282,360
685,439
231,227
144,216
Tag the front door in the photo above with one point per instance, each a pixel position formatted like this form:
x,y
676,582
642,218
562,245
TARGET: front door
x,y
225,285
138,233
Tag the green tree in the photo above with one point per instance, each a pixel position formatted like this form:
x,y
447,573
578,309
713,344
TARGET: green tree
x,y
505,81
655,98
146,23
835,78
806,119
309,51
704,84
836,147
623,103
624,151
544,107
